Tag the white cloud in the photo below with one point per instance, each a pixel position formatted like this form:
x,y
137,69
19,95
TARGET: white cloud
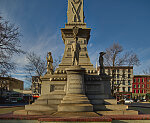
x,y
90,45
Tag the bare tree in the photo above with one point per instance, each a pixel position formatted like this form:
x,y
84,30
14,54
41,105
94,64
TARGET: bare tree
x,y
35,66
147,71
116,57
111,56
9,45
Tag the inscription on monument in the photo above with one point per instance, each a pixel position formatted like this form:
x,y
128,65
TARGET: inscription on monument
x,y
76,7
56,87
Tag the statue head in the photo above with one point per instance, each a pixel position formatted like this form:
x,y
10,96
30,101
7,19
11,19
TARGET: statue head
x,y
102,53
49,53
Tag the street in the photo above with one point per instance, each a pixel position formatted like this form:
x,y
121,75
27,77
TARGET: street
x,y
143,108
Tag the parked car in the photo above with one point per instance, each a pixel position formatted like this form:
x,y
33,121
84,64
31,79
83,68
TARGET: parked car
x,y
129,101
13,100
143,100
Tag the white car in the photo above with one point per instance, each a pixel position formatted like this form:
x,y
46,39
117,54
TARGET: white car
x,y
128,101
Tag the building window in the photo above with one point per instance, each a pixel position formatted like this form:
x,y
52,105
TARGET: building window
x,y
129,89
123,89
113,75
123,71
129,70
142,86
123,75
123,82
134,86
143,80
139,80
118,76
129,82
117,70
129,76
138,86
138,91
134,80
114,71
117,89
142,91
134,91
118,82
108,71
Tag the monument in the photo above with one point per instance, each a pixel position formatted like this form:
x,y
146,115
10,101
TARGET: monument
x,y
75,85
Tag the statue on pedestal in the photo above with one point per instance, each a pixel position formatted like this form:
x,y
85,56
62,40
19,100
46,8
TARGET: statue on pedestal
x,y
101,63
49,63
75,48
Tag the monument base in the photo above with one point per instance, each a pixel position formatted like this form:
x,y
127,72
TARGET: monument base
x,y
75,103
75,114
75,99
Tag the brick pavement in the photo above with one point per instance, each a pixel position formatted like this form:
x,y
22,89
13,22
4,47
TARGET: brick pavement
x,y
82,119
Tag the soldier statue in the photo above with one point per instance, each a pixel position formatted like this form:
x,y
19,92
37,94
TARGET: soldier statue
x,y
75,49
101,63
49,63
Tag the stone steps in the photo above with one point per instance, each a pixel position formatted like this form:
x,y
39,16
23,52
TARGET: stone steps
x,y
97,101
75,101
35,107
75,107
54,96
30,112
100,96
125,112
110,101
110,107
47,101
75,98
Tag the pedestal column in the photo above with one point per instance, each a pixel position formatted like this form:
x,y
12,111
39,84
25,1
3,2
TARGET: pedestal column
x,y
75,99
75,80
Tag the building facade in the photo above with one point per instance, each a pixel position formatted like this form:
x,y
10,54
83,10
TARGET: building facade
x,y
121,82
140,86
148,85
11,89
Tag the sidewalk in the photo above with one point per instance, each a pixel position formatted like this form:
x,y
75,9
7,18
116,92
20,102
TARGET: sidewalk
x,y
79,119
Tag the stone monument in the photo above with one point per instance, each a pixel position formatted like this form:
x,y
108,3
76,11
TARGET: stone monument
x,y
75,85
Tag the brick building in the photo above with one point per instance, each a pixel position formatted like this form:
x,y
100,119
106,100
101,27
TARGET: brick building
x,y
140,86
148,84
121,82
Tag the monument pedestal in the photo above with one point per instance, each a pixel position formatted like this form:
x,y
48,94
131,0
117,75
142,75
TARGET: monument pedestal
x,y
75,99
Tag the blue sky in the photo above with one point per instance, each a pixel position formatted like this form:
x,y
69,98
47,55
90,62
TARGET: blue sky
x,y
124,21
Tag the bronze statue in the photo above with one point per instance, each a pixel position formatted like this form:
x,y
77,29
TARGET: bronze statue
x,y
101,63
49,63
75,48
